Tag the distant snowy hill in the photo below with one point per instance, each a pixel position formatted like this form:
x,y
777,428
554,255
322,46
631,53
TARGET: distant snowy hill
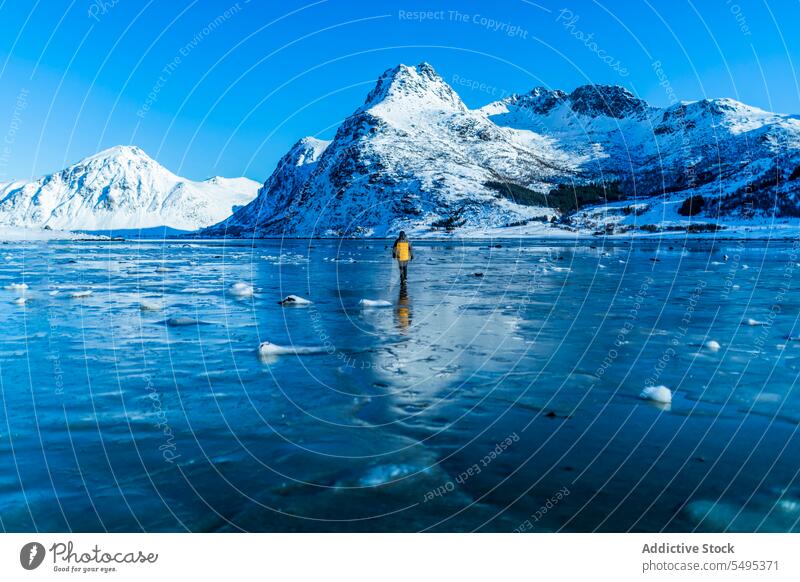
x,y
121,188
414,157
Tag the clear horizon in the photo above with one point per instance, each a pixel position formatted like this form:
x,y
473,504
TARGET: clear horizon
x,y
225,88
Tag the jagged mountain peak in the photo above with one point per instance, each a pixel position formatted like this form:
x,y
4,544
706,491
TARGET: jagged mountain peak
x,y
588,100
413,84
307,150
413,154
544,92
539,100
311,141
609,100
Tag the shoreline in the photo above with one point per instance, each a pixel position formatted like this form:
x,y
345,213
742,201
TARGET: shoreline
x,y
766,233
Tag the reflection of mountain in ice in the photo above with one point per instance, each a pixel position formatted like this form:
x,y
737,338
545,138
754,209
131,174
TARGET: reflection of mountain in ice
x,y
441,336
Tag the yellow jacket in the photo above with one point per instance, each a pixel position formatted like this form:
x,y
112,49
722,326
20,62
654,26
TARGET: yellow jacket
x,y
401,250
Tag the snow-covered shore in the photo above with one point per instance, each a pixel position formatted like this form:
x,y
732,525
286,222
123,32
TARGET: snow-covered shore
x,y
760,231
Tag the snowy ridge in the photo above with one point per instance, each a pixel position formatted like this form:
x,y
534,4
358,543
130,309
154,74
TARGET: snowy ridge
x,y
598,159
293,170
411,156
121,188
742,160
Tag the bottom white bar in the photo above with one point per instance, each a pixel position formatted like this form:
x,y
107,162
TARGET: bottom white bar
x,y
400,557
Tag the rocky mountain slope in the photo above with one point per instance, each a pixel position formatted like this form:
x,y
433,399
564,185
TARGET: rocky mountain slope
x,y
712,162
121,188
414,157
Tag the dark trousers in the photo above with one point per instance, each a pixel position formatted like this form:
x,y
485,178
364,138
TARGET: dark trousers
x,y
403,265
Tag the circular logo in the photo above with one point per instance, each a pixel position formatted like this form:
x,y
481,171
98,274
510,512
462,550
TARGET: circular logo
x,y
31,555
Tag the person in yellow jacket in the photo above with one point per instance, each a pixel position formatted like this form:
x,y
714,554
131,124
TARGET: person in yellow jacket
x,y
401,250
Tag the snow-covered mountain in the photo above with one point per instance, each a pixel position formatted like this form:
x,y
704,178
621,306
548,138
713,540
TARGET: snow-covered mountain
x,y
414,157
121,188
714,161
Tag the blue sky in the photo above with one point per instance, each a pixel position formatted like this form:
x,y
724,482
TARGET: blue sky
x,y
225,88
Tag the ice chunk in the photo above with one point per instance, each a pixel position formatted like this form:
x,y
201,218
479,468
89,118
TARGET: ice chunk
x,y
375,303
769,397
763,516
294,300
150,306
789,505
241,290
385,474
286,259
21,300
752,322
197,290
16,287
270,349
713,345
660,394
80,294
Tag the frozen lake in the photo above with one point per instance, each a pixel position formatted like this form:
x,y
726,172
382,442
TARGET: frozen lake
x,y
504,401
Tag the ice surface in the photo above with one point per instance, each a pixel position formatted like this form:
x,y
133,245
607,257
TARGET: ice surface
x,y
455,366
183,321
